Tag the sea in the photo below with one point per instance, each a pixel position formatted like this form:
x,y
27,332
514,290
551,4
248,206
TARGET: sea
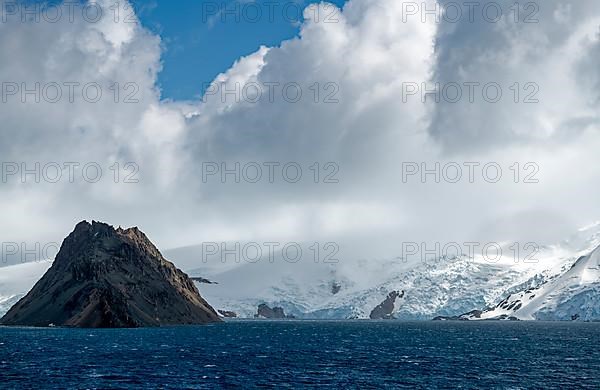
x,y
306,354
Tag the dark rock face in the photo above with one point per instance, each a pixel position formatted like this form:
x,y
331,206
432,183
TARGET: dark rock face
x,y
109,278
335,288
264,311
384,310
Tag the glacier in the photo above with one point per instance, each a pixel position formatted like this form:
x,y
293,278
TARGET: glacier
x,y
16,280
445,287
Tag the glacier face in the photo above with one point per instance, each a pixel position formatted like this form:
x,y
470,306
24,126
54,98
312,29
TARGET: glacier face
x,y
563,285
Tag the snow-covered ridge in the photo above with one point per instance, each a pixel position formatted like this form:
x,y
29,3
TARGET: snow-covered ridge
x,y
572,295
446,287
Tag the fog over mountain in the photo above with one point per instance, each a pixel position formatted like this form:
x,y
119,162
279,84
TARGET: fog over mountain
x,y
557,282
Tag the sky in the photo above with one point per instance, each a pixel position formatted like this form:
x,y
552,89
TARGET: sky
x,y
201,39
313,131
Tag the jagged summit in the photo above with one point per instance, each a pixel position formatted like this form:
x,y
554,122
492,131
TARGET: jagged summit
x,y
107,277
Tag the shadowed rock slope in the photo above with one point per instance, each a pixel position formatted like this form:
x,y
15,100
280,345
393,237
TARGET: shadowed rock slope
x,y
110,278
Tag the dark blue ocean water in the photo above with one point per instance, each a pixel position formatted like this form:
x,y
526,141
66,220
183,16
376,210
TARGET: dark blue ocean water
x,y
292,354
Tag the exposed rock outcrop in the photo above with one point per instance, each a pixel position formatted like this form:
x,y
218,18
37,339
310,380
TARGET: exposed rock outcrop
x,y
385,309
106,277
335,288
462,317
200,279
264,311
475,315
227,313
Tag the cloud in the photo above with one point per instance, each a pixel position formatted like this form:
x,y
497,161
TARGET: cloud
x,y
360,128
534,60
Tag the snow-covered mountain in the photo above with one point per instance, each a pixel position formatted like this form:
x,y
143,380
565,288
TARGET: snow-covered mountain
x,y
446,287
564,284
570,295
17,280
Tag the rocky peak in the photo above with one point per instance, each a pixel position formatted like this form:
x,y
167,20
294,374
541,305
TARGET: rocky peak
x,y
107,277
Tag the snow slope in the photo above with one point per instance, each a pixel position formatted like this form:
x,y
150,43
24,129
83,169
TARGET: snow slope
x,y
446,287
17,280
570,295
